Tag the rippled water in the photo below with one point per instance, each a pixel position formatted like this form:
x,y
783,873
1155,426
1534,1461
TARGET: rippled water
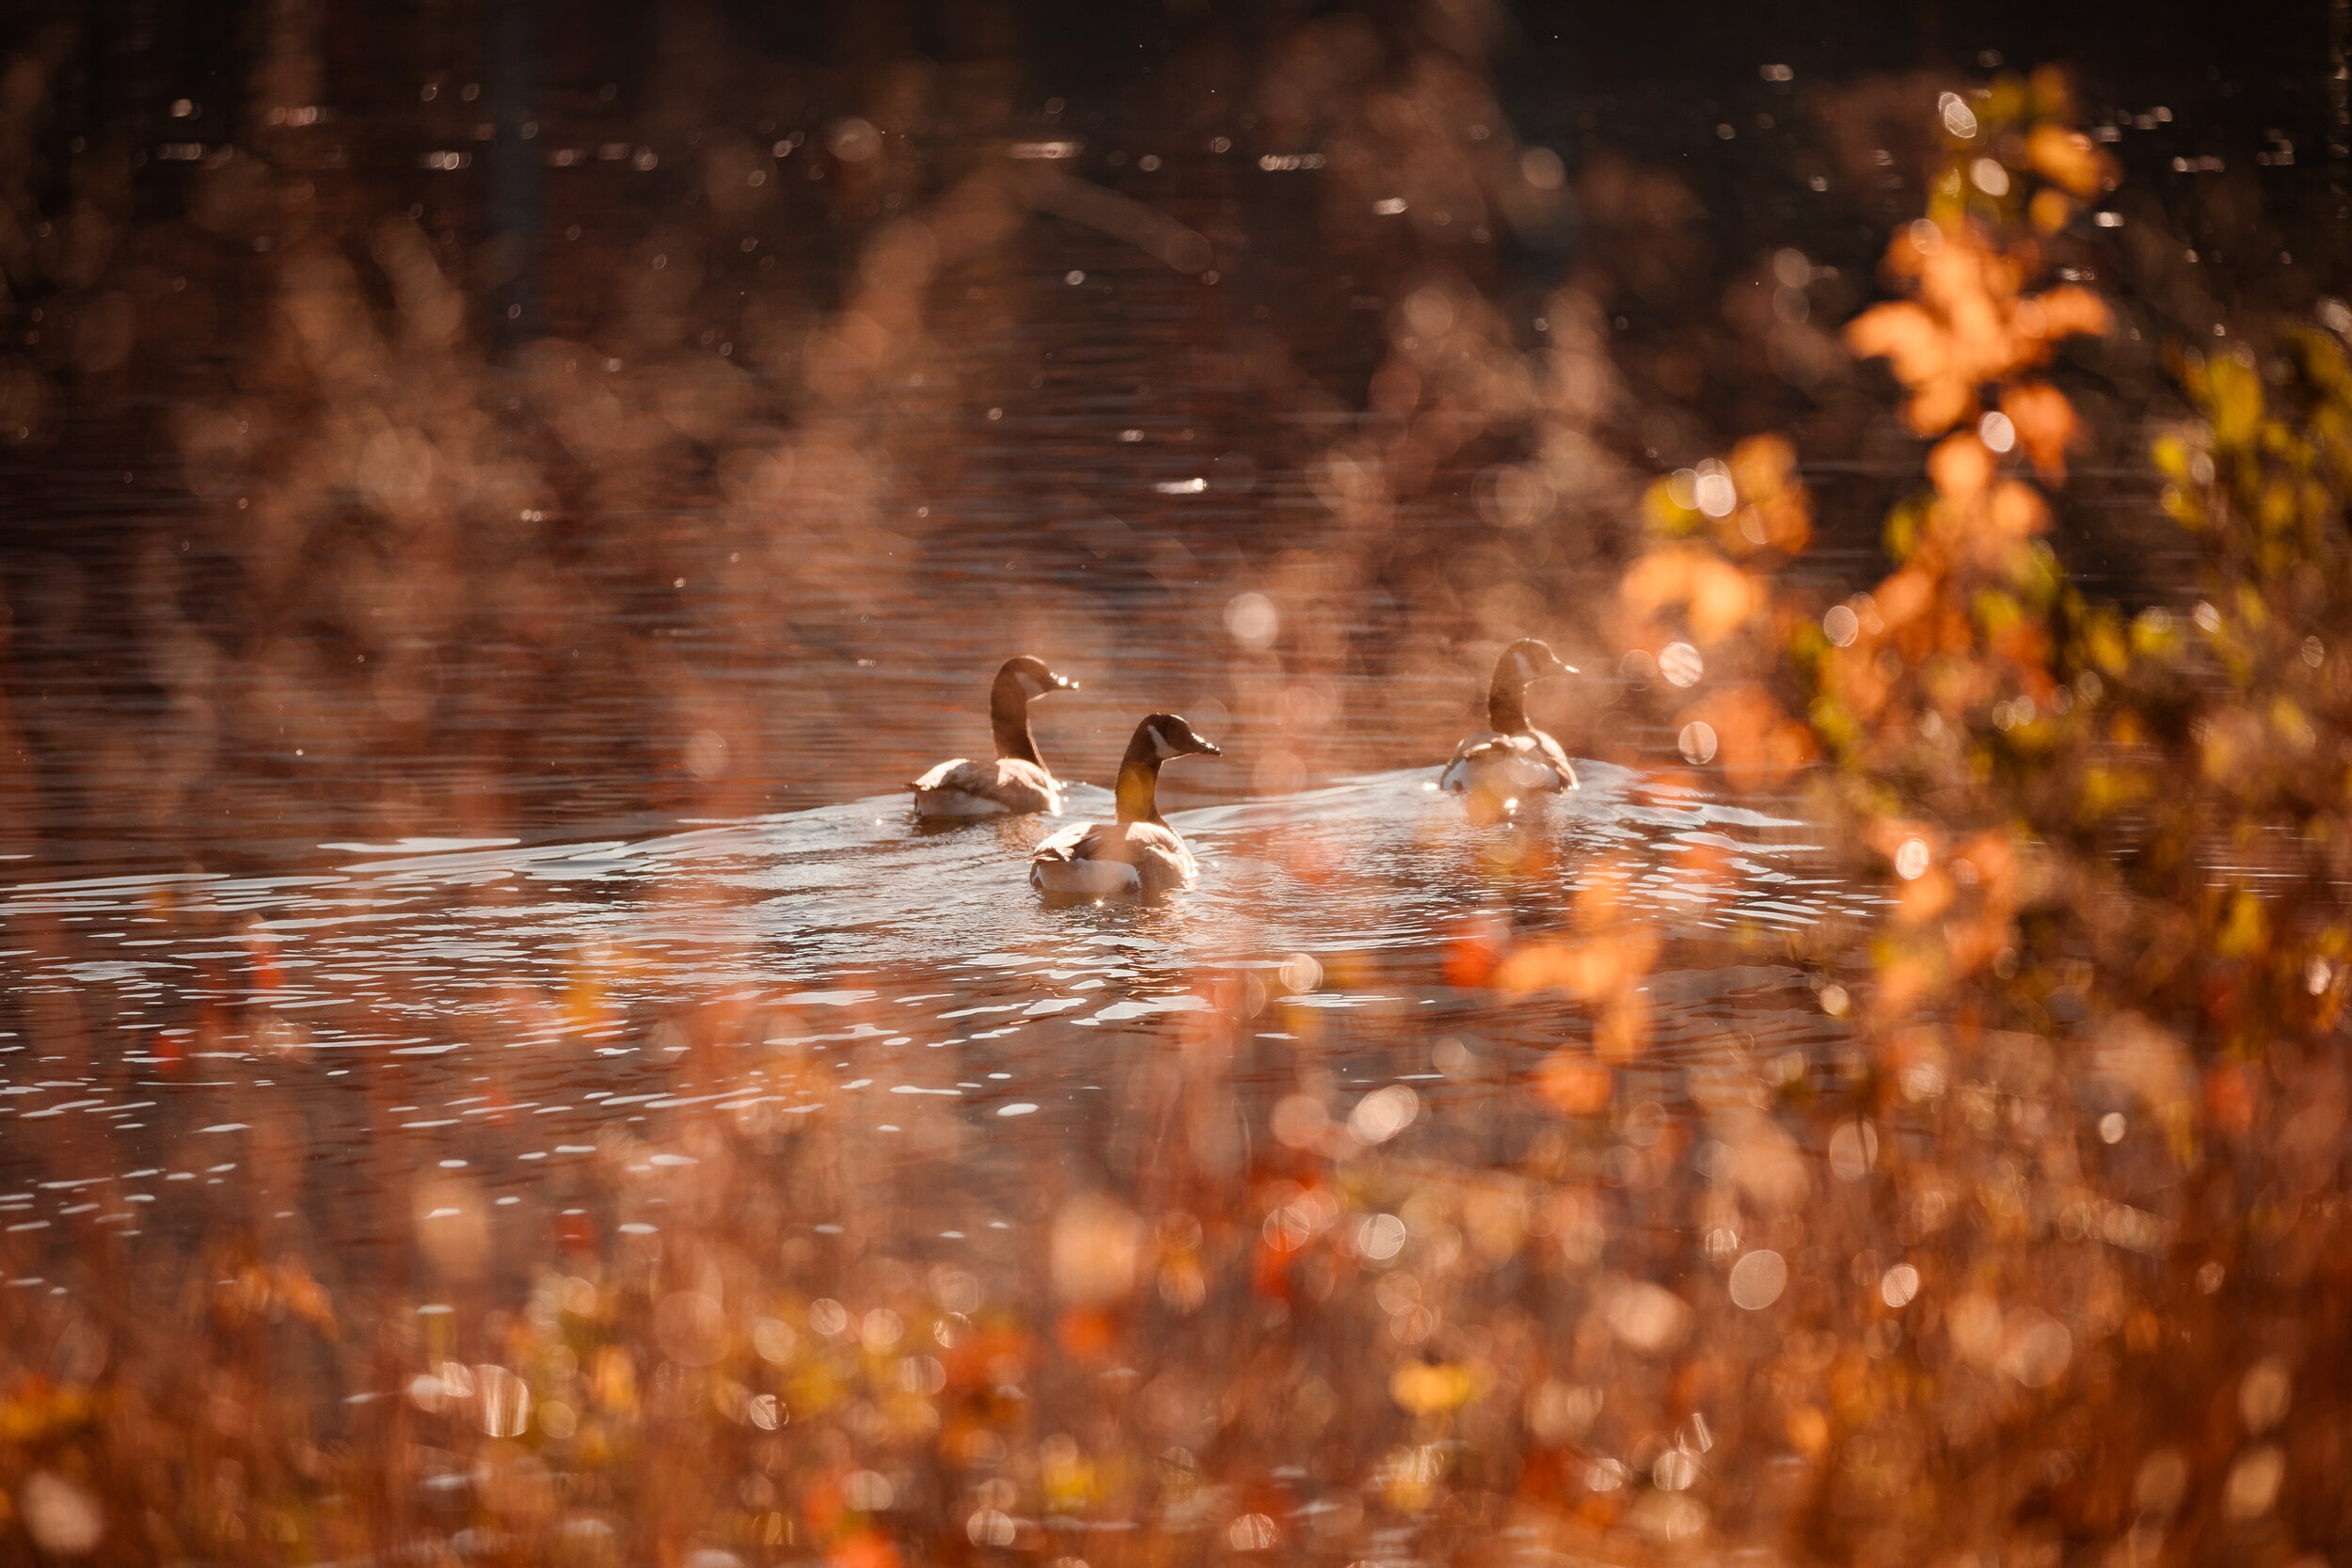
x,y
838,1067
499,1008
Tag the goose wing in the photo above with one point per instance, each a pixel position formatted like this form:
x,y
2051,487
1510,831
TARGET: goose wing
x,y
1508,764
956,769
1099,858
1025,787
1556,758
965,787
1161,859
1081,859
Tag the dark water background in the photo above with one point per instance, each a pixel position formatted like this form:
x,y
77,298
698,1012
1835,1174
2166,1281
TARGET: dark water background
x,y
348,666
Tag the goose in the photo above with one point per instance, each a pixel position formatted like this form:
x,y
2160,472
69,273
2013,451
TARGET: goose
x,y
1511,757
1016,782
1139,852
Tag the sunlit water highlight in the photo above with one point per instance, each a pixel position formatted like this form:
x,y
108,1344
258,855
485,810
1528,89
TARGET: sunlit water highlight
x,y
408,1006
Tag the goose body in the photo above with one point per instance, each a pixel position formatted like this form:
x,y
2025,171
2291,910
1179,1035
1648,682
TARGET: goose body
x,y
1138,852
1008,786
1099,859
1511,758
1015,782
1510,766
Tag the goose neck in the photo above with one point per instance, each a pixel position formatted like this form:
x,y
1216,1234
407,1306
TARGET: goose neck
x,y
1138,789
1506,703
1008,716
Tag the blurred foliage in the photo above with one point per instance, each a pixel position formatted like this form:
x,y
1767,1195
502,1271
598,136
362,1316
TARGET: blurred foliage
x,y
2049,1260
2116,846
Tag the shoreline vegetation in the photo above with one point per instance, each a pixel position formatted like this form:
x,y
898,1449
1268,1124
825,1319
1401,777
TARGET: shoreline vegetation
x,y
2045,1263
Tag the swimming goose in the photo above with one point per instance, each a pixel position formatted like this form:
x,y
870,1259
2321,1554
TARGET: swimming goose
x,y
1017,781
1139,852
1511,757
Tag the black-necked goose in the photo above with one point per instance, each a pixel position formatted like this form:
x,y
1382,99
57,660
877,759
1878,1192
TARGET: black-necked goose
x,y
1016,780
1139,852
1511,758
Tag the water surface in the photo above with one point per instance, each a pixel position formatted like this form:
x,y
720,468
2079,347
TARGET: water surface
x,y
525,996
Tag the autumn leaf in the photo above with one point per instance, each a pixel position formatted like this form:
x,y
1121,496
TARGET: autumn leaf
x,y
1426,1388
1905,335
1759,744
2070,160
2046,426
2068,311
1961,467
1717,596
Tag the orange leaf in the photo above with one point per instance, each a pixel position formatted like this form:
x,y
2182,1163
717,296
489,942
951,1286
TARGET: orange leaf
x,y
1904,334
1762,466
1941,403
2046,426
2018,511
1961,467
865,1548
1904,595
1575,1085
1756,742
1995,856
1718,596
2050,211
2068,159
2068,311
1923,897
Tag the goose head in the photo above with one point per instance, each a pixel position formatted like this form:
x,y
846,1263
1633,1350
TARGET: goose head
x,y
1161,737
1030,677
1531,658
1019,680
1167,736
1525,662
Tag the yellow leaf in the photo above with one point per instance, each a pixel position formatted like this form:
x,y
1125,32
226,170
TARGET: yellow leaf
x,y
1429,1388
2049,212
2068,159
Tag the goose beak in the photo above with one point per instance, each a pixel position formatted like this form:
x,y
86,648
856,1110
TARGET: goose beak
x,y
1065,683
1208,749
